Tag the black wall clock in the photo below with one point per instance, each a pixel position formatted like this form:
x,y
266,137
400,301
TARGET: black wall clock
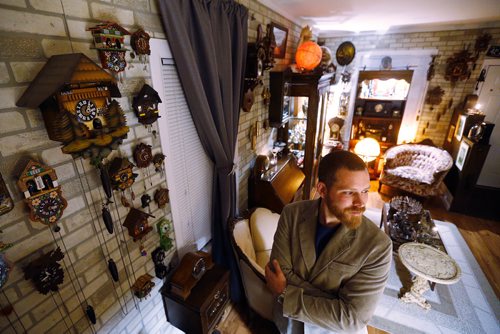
x,y
45,272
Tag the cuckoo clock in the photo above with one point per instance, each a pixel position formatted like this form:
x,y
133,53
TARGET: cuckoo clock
x,y
143,286
164,227
6,203
109,41
145,105
140,44
158,162
143,156
161,197
42,193
120,173
457,68
74,95
46,272
137,223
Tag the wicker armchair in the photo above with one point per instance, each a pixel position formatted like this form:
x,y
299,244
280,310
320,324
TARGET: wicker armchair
x,y
414,168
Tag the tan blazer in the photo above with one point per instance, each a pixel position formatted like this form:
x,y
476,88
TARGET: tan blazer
x,y
337,291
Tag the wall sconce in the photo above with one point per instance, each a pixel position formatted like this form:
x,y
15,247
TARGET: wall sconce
x,y
367,149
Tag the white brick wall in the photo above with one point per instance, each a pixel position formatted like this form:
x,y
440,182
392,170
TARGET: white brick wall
x,y
39,32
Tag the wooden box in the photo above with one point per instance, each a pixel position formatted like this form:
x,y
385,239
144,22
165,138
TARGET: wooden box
x,y
204,307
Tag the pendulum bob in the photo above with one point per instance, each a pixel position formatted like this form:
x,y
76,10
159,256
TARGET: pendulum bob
x,y
113,270
91,314
108,221
106,181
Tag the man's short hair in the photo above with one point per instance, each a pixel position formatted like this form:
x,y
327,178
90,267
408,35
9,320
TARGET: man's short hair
x,y
332,162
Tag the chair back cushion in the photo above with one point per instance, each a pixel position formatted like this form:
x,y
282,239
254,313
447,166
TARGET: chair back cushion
x,y
263,225
243,238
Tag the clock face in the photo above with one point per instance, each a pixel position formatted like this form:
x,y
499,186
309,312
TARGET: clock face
x,y
199,268
49,277
48,207
86,110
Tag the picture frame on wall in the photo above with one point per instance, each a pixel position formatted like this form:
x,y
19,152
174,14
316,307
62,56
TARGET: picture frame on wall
x,y
462,154
280,35
450,133
459,131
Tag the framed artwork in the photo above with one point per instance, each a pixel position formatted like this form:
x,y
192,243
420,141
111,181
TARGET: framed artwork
x,y
460,127
462,154
450,133
280,36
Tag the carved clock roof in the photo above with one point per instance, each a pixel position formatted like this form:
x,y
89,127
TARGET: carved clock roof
x,y
61,70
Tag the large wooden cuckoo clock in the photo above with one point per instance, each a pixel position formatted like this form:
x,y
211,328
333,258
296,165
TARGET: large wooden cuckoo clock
x,y
46,272
74,95
145,105
109,41
42,193
120,173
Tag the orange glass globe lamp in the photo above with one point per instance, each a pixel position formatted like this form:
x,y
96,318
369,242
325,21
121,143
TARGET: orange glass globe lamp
x,y
308,56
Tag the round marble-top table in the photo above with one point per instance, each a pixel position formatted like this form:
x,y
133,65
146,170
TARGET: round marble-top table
x,y
427,263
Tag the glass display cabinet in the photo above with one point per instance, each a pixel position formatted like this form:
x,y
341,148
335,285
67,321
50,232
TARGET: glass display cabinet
x,y
380,105
379,108
299,113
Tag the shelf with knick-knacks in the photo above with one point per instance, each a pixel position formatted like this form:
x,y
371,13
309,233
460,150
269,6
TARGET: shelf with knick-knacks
x,y
379,106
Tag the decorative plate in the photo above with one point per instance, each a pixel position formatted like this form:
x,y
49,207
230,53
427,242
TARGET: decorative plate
x,y
345,53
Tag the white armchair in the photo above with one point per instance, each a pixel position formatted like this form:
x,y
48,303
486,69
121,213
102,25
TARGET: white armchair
x,y
252,240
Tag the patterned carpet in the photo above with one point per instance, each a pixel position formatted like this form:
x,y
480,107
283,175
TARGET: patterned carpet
x,y
469,306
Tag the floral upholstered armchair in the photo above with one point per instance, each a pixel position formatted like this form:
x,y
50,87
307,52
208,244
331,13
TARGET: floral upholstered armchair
x,y
414,168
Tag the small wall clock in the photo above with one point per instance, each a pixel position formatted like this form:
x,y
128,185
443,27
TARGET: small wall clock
x,y
161,197
120,173
42,193
46,272
143,156
109,41
139,41
145,105
143,286
137,223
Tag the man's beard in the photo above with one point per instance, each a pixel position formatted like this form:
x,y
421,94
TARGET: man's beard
x,y
346,217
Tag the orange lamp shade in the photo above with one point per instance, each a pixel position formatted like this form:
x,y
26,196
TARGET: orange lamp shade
x,y
308,55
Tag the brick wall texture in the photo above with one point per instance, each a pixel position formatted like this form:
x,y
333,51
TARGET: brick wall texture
x,y
33,30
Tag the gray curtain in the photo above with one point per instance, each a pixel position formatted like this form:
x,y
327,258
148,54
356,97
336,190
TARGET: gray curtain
x,y
208,39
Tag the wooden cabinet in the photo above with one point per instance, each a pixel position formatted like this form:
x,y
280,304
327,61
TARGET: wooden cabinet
x,y
303,129
276,187
380,105
462,193
204,307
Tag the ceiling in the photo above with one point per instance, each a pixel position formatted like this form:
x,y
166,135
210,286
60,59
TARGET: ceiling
x,y
334,17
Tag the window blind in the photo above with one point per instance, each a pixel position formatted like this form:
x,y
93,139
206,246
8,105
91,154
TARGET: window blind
x,y
188,168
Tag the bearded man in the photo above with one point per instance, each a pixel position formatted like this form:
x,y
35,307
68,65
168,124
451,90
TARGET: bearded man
x,y
329,264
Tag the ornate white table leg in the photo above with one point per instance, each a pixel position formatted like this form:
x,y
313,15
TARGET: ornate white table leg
x,y
418,288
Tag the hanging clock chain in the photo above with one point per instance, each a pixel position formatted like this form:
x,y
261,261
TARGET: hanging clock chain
x,y
61,313
72,266
97,234
15,313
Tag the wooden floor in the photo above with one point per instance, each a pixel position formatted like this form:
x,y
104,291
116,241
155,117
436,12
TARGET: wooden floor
x,y
482,237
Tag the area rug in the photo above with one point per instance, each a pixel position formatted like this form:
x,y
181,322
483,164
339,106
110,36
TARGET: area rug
x,y
469,306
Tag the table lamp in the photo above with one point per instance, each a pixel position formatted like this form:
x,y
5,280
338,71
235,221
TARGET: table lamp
x,y
367,149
